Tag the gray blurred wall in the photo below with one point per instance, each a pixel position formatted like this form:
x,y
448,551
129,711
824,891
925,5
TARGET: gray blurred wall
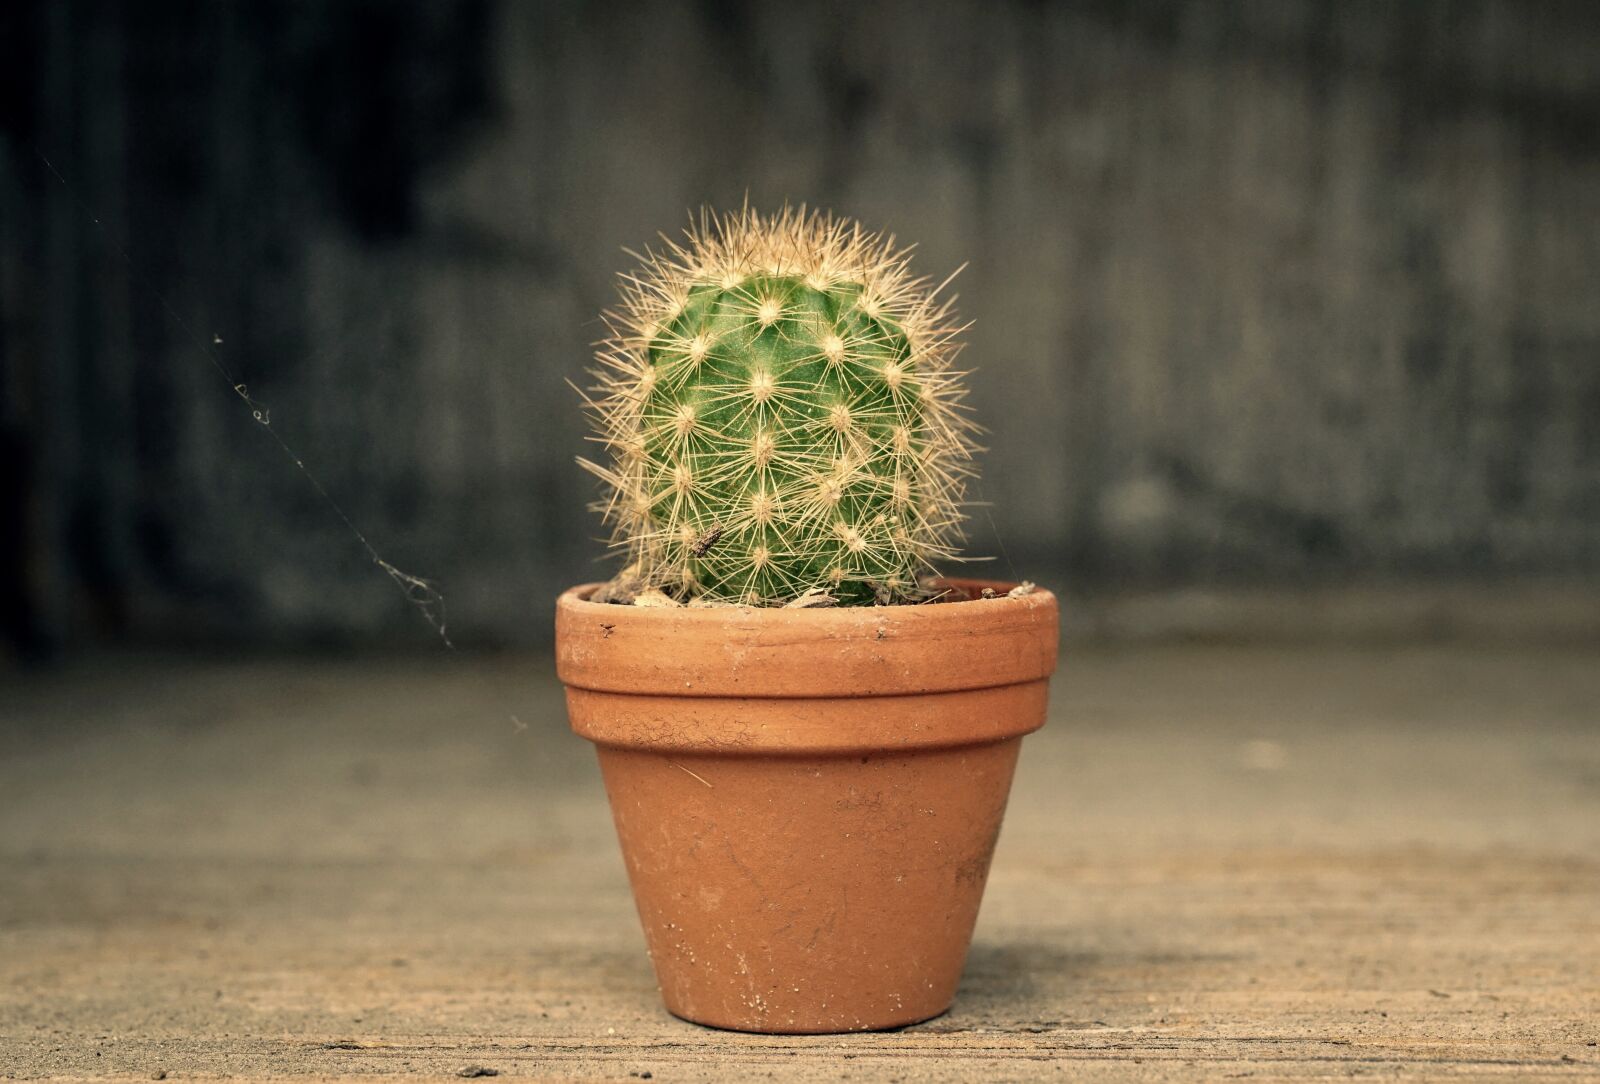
x,y
1265,294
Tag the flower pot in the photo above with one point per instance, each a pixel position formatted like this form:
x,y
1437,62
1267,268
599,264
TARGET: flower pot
x,y
807,799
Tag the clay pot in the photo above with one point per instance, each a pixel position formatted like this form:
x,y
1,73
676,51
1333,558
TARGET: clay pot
x,y
807,800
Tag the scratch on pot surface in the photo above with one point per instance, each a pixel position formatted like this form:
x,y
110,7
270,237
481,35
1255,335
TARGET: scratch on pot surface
x,y
826,924
686,771
733,856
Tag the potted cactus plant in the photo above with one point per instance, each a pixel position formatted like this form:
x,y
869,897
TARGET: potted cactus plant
x,y
807,739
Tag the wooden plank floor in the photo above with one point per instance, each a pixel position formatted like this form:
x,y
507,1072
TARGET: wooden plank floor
x,y
1220,861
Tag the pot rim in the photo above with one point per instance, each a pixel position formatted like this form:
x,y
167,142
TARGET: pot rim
x,y
772,653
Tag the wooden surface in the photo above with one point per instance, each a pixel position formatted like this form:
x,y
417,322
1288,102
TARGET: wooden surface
x,y
1220,862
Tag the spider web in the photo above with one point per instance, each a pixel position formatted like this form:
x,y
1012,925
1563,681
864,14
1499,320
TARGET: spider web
x,y
420,593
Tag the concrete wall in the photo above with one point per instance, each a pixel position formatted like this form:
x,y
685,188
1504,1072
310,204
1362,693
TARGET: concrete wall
x,y
1267,293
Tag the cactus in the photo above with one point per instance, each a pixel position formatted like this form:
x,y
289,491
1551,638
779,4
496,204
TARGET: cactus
x,y
781,414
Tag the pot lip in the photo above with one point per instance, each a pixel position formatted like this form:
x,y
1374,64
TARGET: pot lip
x,y
577,597
815,727
847,651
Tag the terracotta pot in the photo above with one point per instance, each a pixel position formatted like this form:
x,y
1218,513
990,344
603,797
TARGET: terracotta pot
x,y
807,800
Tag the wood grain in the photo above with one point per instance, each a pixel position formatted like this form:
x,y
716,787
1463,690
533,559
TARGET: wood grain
x,y
1260,292
1279,863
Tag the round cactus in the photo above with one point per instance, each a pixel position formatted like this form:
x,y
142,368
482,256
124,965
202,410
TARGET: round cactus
x,y
781,415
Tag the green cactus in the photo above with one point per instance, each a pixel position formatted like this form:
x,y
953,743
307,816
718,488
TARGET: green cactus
x,y
777,398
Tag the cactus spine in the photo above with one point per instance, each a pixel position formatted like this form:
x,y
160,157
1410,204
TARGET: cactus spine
x,y
781,414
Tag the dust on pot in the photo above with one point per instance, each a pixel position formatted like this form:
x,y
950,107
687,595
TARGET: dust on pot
x,y
807,737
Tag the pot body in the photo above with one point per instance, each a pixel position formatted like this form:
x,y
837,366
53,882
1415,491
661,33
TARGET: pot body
x,y
807,800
